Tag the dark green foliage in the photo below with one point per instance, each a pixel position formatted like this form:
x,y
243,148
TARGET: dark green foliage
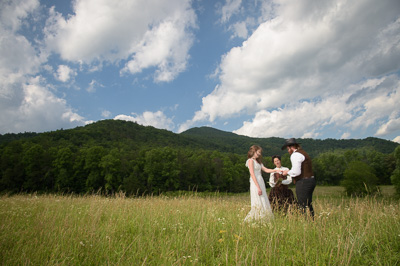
x,y
113,155
359,179
63,170
162,170
12,174
329,168
95,175
12,137
272,146
395,178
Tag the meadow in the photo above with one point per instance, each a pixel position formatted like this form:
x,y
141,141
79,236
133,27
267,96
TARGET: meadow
x,y
196,229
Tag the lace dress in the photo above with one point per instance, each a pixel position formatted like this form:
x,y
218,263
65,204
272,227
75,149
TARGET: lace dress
x,y
260,206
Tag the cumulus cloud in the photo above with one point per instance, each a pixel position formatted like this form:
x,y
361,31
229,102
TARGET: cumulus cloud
x,y
298,119
17,56
13,12
151,33
106,114
230,8
64,73
40,110
240,30
93,85
156,119
361,106
26,102
306,56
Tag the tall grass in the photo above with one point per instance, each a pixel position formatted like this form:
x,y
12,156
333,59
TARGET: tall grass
x,y
197,229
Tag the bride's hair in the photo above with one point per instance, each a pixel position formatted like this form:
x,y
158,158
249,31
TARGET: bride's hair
x,y
254,149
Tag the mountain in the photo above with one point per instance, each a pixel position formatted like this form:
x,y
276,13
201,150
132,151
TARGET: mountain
x,y
240,144
119,155
111,133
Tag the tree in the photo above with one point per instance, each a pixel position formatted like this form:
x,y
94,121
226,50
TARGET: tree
x,y
36,165
111,170
63,170
12,169
329,168
95,179
359,179
383,165
395,178
161,168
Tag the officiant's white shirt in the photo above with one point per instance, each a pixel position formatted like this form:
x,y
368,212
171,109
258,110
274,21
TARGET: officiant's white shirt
x,y
285,182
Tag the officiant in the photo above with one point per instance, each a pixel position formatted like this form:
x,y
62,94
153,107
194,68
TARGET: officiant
x,y
280,196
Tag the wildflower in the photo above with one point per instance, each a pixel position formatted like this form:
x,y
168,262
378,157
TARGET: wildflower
x,y
82,244
238,237
220,240
222,231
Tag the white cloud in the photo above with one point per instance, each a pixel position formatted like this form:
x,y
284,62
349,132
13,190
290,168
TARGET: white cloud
x,y
106,114
165,47
240,29
13,12
40,110
64,73
93,85
151,33
381,101
17,56
26,102
230,8
156,119
361,106
345,135
298,119
393,125
397,139
307,51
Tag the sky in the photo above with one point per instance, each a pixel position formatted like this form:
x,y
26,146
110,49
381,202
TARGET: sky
x,y
275,68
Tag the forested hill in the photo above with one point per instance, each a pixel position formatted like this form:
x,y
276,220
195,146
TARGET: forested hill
x,y
115,155
114,134
240,144
110,133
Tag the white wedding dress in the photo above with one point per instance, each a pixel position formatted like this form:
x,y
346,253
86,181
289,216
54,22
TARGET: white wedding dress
x,y
260,206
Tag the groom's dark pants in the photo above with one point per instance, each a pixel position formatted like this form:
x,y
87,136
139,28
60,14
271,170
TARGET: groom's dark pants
x,y
304,191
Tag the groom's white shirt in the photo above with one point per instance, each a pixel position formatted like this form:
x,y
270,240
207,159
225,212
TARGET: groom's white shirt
x,y
296,158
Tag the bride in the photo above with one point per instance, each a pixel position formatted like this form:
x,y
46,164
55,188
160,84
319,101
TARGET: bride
x,y
260,206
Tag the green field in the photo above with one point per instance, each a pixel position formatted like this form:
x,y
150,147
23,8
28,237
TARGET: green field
x,y
196,228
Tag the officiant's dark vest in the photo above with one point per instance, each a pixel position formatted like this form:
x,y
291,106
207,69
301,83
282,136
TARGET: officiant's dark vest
x,y
306,166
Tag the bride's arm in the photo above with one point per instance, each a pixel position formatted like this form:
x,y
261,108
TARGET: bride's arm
x,y
272,180
267,170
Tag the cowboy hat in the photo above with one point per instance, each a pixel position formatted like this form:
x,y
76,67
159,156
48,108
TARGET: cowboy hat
x,y
289,142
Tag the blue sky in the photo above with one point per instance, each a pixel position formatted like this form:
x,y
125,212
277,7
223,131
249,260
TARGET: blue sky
x,y
305,69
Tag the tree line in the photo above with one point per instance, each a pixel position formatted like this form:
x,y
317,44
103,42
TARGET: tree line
x,y
30,167
120,156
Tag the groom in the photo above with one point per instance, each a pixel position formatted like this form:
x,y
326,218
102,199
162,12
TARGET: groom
x,y
302,174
